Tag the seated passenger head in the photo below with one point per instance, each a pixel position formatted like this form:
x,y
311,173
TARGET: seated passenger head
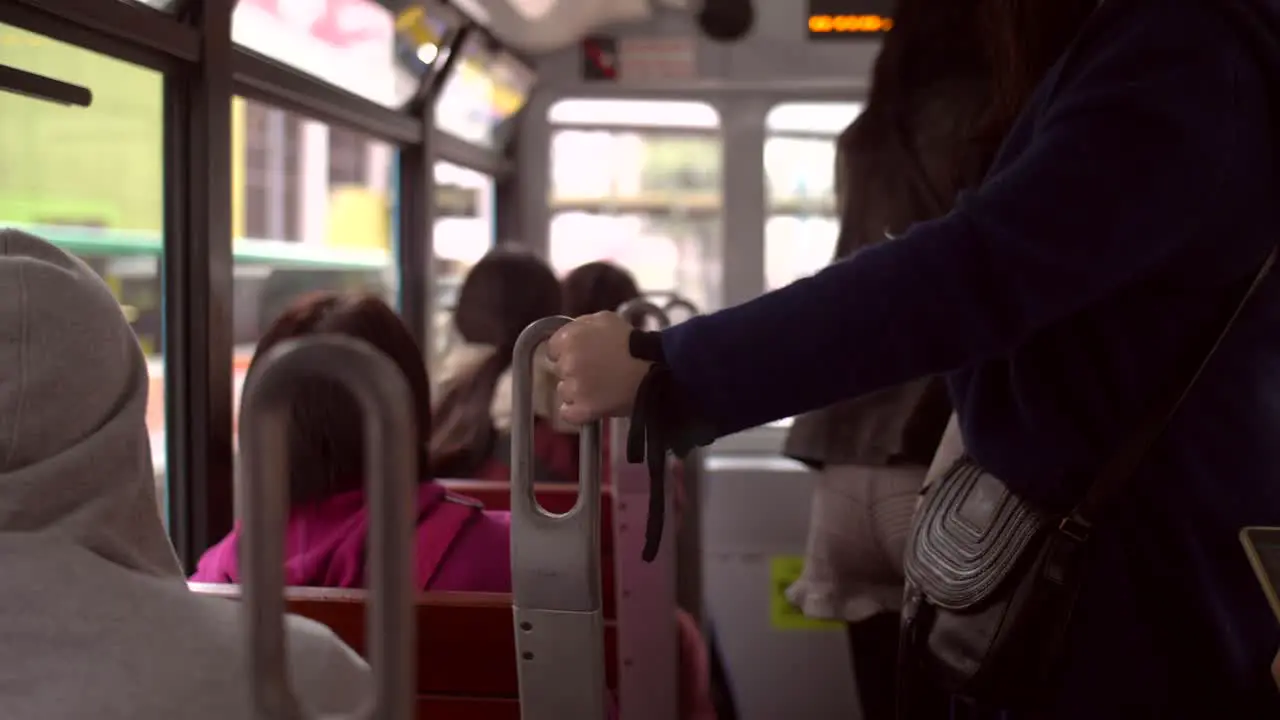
x,y
75,456
326,440
505,292
597,287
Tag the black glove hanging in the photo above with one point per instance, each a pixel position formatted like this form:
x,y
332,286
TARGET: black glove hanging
x,y
646,440
662,421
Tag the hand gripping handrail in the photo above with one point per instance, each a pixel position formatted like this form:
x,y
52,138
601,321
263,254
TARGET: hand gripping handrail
x,y
382,394
648,662
555,565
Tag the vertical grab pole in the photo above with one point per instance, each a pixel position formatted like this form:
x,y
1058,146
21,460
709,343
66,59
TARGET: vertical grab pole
x,y
648,642
555,566
382,394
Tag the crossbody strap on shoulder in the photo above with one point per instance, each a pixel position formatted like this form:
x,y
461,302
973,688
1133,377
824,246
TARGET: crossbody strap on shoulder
x,y
1262,39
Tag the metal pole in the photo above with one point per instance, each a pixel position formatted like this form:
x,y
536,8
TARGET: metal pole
x,y
555,566
648,643
390,469
197,288
416,216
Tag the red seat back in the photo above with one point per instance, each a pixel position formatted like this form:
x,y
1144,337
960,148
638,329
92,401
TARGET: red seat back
x,y
556,499
466,653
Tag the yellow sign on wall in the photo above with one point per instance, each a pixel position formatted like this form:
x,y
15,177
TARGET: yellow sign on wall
x,y
784,570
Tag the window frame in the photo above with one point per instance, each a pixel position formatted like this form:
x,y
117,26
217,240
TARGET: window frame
x,y
189,41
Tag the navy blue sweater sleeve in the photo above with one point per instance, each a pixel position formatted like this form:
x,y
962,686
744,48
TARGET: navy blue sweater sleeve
x,y
1121,173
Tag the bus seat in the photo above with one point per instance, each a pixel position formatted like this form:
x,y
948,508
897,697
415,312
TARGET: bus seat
x,y
555,498
466,652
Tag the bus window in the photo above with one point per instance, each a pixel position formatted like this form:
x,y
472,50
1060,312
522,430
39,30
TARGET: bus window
x,y
357,45
647,197
91,181
482,93
312,209
464,232
799,166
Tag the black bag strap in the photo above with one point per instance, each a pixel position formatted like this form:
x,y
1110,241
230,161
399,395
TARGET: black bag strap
x,y
1116,477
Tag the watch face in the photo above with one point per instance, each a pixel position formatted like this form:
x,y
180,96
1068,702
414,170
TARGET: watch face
x,y
600,58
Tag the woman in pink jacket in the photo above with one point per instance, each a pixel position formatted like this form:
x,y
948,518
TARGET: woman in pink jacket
x,y
460,545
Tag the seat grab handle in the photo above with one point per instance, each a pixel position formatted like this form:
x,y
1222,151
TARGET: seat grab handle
x,y
555,565
639,310
390,459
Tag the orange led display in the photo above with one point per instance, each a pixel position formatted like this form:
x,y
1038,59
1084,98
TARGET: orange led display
x,y
825,25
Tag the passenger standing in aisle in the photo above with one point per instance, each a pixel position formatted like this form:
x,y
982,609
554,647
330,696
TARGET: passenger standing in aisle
x,y
96,615
929,131
1126,213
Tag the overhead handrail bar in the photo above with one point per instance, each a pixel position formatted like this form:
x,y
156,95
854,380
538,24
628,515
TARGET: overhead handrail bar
x,y
382,394
648,659
555,565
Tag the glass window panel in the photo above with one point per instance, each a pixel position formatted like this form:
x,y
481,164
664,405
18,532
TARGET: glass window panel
x,y
301,224
826,118
645,113
482,94
423,29
649,202
666,253
464,232
357,45
797,246
635,168
91,180
800,170
802,224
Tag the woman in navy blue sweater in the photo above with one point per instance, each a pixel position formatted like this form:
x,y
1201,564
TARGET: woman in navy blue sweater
x,y
1132,202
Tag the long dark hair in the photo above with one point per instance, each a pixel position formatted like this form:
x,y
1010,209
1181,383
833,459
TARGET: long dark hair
x,y
326,436
597,287
950,81
948,85
1024,38
502,294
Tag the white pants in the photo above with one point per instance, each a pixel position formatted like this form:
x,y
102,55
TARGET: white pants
x,y
857,536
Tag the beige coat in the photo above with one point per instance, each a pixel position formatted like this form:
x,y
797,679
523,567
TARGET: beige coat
x,y
463,358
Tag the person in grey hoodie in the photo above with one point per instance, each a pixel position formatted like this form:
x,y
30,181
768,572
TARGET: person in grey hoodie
x,y
95,611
